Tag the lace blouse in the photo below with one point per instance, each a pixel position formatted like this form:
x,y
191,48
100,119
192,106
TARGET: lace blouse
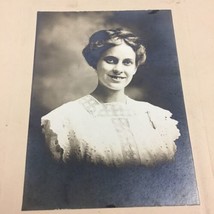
x,y
113,134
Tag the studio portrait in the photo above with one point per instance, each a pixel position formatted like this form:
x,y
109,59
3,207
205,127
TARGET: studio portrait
x,y
107,123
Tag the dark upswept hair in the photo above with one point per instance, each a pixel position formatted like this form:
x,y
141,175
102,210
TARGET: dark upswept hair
x,y
102,40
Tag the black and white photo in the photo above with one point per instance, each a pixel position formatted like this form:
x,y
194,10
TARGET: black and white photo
x,y
107,125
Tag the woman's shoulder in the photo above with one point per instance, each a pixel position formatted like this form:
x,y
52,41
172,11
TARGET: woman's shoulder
x,y
62,112
160,118
147,107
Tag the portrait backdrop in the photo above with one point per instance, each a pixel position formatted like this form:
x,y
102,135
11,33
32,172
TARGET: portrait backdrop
x,y
61,74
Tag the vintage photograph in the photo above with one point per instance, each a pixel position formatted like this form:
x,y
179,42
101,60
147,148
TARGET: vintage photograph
x,y
107,126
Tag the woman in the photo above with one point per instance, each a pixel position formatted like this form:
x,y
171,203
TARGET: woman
x,y
107,127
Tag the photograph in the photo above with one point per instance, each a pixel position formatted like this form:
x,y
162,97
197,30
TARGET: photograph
x,y
107,124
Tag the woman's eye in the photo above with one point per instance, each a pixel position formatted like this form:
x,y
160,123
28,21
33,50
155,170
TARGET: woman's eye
x,y
110,60
127,62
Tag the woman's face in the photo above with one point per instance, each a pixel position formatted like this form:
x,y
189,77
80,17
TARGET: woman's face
x,y
116,67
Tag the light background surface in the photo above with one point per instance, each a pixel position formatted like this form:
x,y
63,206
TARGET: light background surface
x,y
193,31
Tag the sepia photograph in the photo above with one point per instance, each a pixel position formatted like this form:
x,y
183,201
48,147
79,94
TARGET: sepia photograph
x,y
107,125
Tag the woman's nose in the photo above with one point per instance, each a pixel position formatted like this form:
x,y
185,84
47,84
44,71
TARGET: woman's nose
x,y
118,69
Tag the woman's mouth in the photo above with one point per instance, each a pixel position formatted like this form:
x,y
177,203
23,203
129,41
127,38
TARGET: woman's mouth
x,y
116,77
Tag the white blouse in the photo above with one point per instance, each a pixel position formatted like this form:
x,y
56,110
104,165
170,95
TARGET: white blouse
x,y
113,134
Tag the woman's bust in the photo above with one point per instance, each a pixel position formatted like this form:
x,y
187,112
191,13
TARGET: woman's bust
x,y
107,127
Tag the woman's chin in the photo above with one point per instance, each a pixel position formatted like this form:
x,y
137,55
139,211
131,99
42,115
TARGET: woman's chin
x,y
116,88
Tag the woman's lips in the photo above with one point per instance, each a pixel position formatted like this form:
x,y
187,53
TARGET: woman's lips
x,y
116,77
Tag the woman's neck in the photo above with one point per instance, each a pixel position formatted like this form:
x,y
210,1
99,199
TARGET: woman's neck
x,y
105,95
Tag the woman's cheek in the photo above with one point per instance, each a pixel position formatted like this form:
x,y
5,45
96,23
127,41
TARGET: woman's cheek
x,y
132,71
107,67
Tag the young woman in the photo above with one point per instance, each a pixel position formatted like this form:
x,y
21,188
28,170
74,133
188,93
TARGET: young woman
x,y
107,127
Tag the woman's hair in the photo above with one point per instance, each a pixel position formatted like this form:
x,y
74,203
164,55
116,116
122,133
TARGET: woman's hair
x,y
102,40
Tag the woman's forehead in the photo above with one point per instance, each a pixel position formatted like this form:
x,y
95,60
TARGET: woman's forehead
x,y
120,51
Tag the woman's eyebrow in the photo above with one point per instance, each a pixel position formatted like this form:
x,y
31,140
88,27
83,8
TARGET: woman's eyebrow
x,y
129,59
110,56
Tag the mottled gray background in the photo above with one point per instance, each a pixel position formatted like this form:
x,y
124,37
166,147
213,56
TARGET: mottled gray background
x,y
61,74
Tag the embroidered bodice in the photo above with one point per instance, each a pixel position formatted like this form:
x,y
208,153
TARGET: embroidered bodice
x,y
113,134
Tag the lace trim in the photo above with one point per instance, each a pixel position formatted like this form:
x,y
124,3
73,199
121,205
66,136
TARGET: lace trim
x,y
97,109
128,144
